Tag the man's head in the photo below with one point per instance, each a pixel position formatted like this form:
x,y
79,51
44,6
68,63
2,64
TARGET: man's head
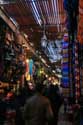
x,y
39,87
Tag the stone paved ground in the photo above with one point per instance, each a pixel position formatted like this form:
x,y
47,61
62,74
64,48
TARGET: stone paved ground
x,y
63,120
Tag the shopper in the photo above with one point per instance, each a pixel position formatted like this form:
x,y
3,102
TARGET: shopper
x,y
10,108
37,110
56,100
2,111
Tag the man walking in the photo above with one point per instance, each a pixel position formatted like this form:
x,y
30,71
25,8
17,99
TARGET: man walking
x,y
37,110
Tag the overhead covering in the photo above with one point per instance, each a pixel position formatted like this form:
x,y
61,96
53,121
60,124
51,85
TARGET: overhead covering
x,y
31,15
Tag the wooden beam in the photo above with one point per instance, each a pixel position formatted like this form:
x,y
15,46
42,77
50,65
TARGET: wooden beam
x,y
4,16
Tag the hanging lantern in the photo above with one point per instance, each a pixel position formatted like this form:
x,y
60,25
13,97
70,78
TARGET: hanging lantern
x,y
44,41
44,38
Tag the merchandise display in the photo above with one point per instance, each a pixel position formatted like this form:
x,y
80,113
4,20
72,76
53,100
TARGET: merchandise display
x,y
12,65
74,77
65,63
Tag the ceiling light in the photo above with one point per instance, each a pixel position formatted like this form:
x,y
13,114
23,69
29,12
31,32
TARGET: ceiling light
x,y
43,60
44,38
25,35
44,41
59,75
14,21
53,71
36,13
27,60
31,44
7,1
48,66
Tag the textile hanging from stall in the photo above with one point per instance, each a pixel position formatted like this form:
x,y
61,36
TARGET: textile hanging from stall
x,y
71,8
65,62
80,22
31,66
76,71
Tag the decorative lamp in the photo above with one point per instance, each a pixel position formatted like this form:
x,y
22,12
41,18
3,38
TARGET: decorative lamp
x,y
44,38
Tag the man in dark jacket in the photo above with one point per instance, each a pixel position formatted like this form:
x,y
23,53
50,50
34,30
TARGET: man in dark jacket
x,y
2,111
37,110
